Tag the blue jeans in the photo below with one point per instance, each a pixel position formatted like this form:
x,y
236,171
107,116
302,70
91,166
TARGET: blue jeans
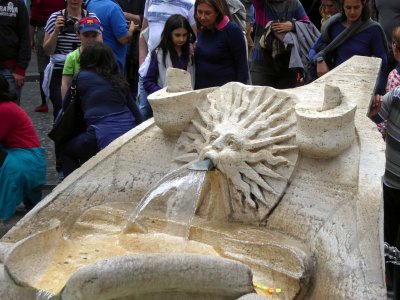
x,y
11,82
144,105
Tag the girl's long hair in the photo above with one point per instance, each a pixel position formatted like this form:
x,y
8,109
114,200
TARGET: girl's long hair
x,y
5,94
166,43
99,58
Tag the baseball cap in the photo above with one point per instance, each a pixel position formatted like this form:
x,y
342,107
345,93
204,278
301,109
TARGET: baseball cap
x,y
89,24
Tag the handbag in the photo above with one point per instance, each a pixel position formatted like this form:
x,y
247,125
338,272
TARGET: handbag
x,y
69,121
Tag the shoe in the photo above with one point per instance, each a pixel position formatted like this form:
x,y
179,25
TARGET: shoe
x,y
60,176
42,108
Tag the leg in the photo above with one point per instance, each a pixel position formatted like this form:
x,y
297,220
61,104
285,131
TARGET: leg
x,y
55,91
391,208
286,79
11,82
42,60
260,75
55,97
78,150
144,105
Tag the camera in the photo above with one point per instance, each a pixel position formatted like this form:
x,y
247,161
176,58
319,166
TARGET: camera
x,y
69,24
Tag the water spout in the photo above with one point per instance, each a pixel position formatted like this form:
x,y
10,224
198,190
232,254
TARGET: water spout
x,y
202,165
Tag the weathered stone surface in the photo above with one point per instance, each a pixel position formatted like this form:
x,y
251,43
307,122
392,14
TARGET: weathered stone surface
x,y
149,276
327,222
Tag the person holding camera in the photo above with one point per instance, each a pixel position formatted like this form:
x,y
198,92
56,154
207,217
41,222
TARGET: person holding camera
x,y
60,39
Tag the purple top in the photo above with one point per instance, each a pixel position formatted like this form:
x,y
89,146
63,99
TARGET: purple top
x,y
150,82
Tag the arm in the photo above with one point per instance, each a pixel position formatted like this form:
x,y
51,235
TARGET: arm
x,y
68,72
126,38
382,105
118,25
132,17
65,83
150,82
24,52
134,109
283,27
379,49
8,122
143,42
237,46
32,34
51,37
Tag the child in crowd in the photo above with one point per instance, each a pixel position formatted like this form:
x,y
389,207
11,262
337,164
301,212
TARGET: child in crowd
x,y
172,52
89,31
394,76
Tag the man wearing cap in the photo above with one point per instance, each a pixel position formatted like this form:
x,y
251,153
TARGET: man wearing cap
x,y
89,31
116,33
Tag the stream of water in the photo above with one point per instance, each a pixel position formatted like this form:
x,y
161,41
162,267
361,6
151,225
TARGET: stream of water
x,y
173,200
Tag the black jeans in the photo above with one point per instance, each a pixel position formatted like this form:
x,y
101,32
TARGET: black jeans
x,y
273,72
55,91
391,209
78,150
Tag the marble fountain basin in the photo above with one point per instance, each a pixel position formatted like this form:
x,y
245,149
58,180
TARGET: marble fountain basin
x,y
97,252
294,202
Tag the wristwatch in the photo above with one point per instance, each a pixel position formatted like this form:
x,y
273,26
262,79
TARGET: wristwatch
x,y
319,59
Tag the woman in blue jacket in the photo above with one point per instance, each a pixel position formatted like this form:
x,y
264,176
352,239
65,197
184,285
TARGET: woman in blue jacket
x,y
368,39
108,109
220,55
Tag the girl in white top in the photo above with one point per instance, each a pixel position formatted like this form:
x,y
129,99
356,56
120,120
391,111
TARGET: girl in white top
x,y
174,51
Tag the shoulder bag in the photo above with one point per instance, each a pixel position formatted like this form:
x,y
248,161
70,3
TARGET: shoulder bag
x,y
69,121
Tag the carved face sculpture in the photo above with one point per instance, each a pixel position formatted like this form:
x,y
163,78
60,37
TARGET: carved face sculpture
x,y
249,137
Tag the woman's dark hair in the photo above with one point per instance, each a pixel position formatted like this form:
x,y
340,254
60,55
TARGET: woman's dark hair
x,y
396,37
5,94
166,43
99,58
365,13
220,6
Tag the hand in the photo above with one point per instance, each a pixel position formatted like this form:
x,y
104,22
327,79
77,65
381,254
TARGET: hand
x,y
376,105
282,27
133,27
322,68
59,24
33,45
19,80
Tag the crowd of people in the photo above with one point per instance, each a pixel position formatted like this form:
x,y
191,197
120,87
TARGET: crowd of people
x,y
117,52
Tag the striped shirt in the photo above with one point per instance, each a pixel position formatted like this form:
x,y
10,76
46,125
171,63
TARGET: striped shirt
x,y
67,41
390,111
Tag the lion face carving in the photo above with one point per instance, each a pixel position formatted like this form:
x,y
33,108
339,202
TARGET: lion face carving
x,y
249,136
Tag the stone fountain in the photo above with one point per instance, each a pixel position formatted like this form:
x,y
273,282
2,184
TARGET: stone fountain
x,y
288,206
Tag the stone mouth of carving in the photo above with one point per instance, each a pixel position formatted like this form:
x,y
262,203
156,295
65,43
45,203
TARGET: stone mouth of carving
x,y
202,165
